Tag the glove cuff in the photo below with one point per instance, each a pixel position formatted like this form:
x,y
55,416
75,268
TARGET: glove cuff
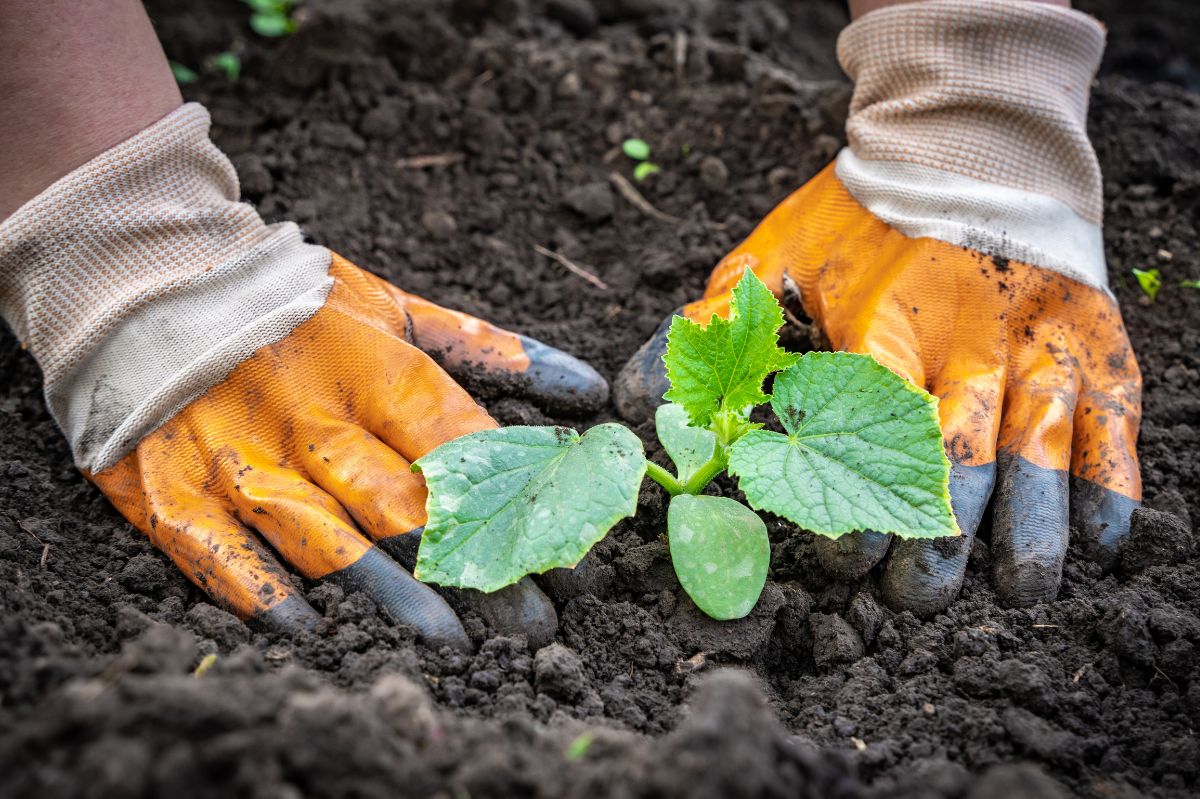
x,y
995,90
139,281
968,124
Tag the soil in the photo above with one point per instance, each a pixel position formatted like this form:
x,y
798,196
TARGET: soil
x,y
821,691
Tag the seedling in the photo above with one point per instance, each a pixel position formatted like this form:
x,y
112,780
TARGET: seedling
x,y
578,748
1150,280
206,663
861,450
1189,284
183,74
272,18
639,151
228,63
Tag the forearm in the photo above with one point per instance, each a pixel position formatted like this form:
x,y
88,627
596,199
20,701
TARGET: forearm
x,y
77,77
860,7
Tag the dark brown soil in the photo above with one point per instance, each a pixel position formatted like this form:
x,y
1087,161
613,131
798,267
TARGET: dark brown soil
x,y
1095,694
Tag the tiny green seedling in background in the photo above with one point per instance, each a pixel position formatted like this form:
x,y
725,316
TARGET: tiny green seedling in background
x,y
639,150
272,18
1150,280
578,748
1190,284
228,63
862,450
183,75
206,663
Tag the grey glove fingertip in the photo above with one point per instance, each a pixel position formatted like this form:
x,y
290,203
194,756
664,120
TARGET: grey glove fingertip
x,y
1029,531
852,555
925,575
640,386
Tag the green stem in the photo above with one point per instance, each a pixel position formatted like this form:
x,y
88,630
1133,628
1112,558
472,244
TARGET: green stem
x,y
704,475
664,478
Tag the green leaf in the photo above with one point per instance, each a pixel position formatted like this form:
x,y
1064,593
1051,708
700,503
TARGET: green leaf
x,y
183,75
689,447
721,366
863,452
271,25
637,149
645,170
206,663
578,748
521,500
229,63
1150,280
721,551
1189,284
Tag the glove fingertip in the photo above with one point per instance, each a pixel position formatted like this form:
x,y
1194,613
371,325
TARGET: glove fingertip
x,y
561,382
642,382
1101,517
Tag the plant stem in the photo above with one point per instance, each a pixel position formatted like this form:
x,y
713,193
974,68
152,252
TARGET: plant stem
x,y
664,478
704,476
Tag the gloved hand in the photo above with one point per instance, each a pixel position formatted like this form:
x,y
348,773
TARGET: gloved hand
x,y
957,239
231,388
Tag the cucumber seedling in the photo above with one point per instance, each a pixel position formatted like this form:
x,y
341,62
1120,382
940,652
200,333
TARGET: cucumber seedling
x,y
639,150
272,18
1150,281
861,450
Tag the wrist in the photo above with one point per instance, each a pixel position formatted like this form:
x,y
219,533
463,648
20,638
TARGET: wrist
x,y
968,124
138,280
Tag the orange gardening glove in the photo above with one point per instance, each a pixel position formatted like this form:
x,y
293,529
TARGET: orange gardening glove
x,y
254,399
985,285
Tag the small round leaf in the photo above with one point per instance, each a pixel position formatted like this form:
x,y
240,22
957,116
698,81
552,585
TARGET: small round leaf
x,y
721,551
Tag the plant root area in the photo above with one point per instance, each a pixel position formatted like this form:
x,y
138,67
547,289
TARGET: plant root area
x,y
439,144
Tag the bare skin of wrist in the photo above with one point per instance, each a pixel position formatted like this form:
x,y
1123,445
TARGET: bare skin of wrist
x,y
860,7
77,77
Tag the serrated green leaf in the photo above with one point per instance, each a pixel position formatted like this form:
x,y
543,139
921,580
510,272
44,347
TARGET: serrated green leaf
x,y
720,551
863,452
722,365
637,149
521,500
688,447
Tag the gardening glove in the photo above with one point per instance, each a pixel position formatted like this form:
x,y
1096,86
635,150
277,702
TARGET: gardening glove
x,y
957,239
240,394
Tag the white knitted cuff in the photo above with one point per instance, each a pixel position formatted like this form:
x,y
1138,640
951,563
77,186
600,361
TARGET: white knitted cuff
x,y
139,281
974,112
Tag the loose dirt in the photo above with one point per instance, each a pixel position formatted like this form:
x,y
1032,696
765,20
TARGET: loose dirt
x,y
821,691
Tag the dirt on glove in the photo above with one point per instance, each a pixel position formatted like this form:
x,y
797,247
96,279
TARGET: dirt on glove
x,y
438,143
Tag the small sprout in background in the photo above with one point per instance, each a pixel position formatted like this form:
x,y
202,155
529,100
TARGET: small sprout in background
x,y
228,63
1150,280
578,748
639,151
645,170
183,75
206,663
685,150
272,18
1190,284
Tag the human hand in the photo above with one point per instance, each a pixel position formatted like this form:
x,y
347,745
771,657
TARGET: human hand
x,y
981,279
251,401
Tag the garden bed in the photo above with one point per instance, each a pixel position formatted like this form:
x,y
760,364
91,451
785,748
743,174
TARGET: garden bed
x,y
525,106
